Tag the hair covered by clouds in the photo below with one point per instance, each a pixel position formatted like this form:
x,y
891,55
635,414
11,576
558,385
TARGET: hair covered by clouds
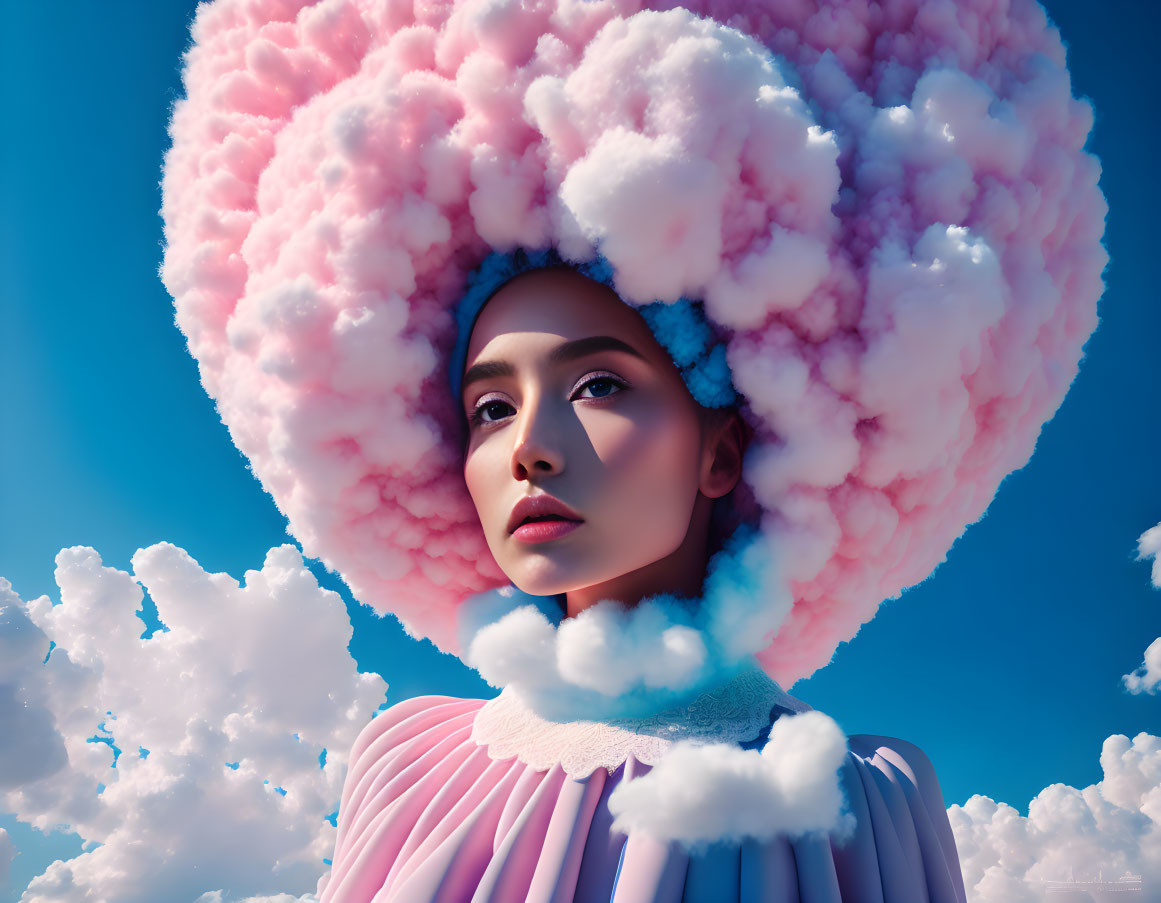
x,y
1147,677
705,793
202,758
886,208
1112,828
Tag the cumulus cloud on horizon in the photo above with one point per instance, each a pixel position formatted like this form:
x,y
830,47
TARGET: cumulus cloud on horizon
x,y
1109,830
1147,677
200,763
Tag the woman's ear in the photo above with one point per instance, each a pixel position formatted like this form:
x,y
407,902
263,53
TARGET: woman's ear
x,y
721,464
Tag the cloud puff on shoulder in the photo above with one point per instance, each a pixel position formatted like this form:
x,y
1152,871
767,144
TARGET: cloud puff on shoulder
x,y
705,793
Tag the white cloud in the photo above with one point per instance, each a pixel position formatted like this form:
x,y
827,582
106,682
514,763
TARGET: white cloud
x,y
220,723
591,663
1147,677
1149,546
701,793
588,665
8,852
1108,830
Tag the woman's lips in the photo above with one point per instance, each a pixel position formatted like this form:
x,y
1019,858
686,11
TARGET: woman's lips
x,y
540,518
545,530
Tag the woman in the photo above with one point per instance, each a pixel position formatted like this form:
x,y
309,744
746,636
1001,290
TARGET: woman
x,y
594,472
855,251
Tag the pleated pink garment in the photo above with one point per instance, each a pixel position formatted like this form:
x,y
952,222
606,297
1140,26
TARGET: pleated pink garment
x,y
427,815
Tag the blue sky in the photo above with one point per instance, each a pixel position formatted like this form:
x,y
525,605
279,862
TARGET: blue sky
x,y
1004,666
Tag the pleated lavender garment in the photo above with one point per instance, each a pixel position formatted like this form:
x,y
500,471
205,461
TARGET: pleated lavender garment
x,y
428,815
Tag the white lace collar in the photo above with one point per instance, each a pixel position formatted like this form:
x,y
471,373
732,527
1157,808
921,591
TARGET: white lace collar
x,y
735,712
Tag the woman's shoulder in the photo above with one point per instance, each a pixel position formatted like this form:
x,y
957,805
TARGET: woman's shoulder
x,y
399,736
892,791
415,711
399,771
903,757
410,724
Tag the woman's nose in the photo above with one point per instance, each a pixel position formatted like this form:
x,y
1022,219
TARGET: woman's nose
x,y
537,450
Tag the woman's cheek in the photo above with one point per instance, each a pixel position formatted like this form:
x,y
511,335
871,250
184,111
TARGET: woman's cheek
x,y
483,473
651,471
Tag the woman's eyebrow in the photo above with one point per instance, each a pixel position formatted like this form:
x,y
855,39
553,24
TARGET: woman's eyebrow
x,y
566,351
569,351
487,370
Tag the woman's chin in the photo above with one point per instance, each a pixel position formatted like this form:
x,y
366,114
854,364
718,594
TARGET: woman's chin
x,y
547,576
542,584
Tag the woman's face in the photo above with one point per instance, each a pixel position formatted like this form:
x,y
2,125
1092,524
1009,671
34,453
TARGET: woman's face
x,y
585,450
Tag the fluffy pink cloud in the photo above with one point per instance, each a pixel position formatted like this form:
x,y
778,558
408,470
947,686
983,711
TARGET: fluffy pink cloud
x,y
886,207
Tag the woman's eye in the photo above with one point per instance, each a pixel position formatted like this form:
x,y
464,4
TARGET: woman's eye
x,y
599,387
491,411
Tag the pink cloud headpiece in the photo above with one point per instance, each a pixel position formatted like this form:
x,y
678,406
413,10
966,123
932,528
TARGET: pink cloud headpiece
x,y
885,208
